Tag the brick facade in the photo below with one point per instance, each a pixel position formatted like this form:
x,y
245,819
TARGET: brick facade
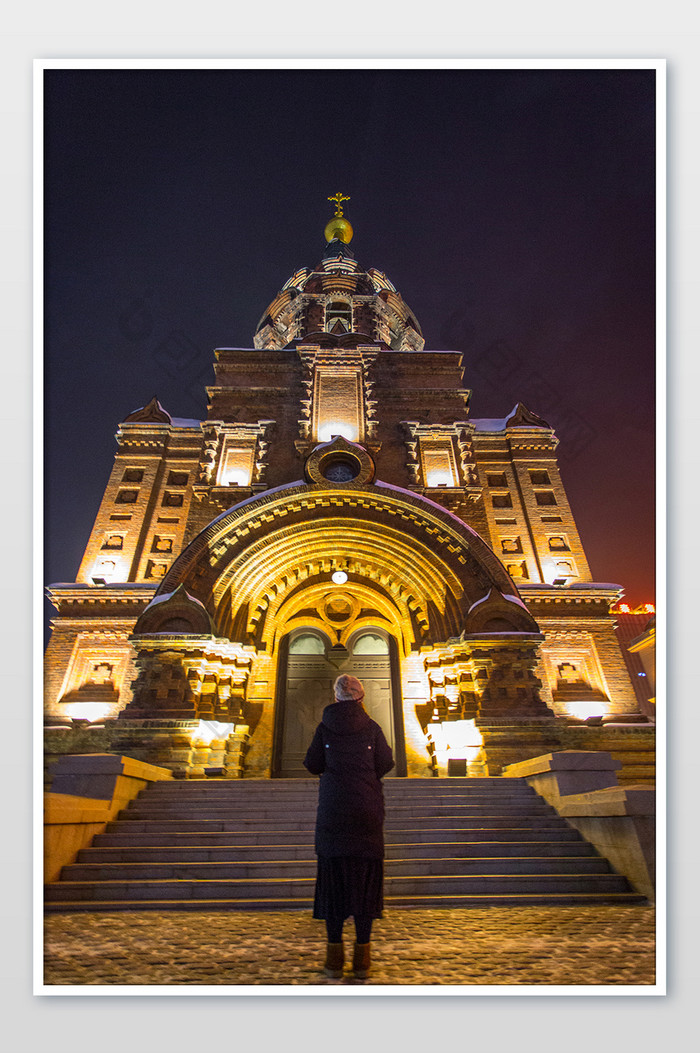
x,y
337,445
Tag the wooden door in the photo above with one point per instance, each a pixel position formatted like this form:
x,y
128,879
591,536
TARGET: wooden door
x,y
308,689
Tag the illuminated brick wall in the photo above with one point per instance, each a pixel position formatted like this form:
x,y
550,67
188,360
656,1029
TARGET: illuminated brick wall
x,y
140,526
367,377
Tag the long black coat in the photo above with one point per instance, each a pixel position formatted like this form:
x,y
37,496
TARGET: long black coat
x,y
350,753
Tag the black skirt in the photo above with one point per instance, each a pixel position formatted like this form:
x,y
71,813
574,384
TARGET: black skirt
x,y
348,886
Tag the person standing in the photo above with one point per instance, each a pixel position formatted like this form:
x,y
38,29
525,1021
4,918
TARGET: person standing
x,y
351,754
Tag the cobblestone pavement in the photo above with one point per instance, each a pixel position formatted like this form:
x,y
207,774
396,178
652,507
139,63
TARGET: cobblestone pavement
x,y
489,946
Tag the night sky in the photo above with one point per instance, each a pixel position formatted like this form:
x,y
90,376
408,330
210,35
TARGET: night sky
x,y
513,210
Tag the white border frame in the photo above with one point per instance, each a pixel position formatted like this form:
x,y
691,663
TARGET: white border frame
x,y
659,65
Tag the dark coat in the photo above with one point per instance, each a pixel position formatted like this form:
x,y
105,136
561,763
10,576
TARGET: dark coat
x,y
350,753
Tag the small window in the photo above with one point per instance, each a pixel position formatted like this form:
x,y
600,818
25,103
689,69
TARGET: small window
x,y
307,643
558,543
502,501
236,466
497,479
370,643
338,317
178,478
113,541
156,570
338,404
545,497
517,570
172,500
127,497
162,544
539,477
438,464
133,475
511,544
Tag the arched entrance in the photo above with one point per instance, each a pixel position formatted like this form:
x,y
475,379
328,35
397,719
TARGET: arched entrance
x,y
341,559
309,666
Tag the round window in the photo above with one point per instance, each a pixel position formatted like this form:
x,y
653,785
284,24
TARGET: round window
x,y
340,469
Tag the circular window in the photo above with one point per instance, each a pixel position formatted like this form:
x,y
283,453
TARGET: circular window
x,y
340,469
339,463
338,607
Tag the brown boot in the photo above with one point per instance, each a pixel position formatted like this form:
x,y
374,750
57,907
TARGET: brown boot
x,y
361,961
335,960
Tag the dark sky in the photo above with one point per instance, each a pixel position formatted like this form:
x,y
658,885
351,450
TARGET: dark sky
x,y
513,210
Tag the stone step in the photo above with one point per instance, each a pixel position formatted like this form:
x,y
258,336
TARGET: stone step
x,y
188,790
248,844
390,782
289,903
445,885
281,869
165,835
416,850
233,794
393,811
243,823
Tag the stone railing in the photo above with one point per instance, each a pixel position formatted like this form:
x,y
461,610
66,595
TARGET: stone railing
x,y
619,821
87,792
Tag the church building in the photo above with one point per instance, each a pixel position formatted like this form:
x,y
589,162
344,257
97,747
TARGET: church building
x,y
338,511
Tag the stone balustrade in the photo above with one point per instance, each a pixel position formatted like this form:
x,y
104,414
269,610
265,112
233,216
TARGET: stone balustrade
x,y
620,821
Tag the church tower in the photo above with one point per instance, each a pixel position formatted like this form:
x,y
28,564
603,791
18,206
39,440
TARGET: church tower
x,y
337,511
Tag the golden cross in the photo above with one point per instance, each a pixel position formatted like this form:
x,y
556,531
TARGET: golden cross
x,y
338,198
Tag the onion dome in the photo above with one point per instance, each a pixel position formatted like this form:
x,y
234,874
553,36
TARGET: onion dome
x,y
337,303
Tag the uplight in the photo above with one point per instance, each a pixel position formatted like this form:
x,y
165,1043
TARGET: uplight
x,y
328,431
584,710
90,711
439,477
208,730
237,477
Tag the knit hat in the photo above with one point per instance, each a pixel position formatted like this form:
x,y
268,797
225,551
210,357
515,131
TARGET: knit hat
x,y
348,689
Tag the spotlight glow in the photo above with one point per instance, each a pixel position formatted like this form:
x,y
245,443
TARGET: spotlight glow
x,y
584,710
92,711
439,477
336,427
236,477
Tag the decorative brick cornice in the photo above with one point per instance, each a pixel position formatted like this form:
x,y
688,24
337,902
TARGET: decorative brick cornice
x,y
556,599
109,599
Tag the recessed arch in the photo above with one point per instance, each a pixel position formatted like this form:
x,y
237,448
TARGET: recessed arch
x,y
368,641
305,687
410,553
308,640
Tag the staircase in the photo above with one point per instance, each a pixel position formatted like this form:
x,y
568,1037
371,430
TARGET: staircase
x,y
248,845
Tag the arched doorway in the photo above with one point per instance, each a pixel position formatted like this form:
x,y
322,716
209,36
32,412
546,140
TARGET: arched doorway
x,y
308,668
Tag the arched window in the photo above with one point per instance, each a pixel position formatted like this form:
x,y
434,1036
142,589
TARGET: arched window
x,y
370,643
338,317
307,643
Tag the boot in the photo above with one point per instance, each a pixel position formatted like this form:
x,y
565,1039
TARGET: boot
x,y
335,960
361,961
